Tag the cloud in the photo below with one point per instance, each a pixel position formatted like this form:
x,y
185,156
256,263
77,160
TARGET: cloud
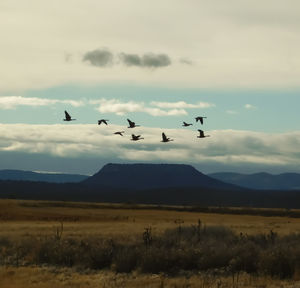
x,y
237,44
182,104
11,102
121,108
99,57
224,147
159,109
130,59
149,60
156,60
249,106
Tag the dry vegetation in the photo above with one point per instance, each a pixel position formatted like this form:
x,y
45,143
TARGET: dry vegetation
x,y
63,244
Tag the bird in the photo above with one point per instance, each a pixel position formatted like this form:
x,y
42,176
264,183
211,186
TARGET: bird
x,y
119,133
202,134
132,124
200,118
68,117
135,137
102,121
165,138
186,124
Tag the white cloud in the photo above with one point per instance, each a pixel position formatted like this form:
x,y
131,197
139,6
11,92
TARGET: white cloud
x,y
249,44
226,147
121,108
182,105
11,102
249,106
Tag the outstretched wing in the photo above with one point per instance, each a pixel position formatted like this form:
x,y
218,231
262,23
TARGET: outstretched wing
x,y
201,133
201,120
131,124
164,137
68,117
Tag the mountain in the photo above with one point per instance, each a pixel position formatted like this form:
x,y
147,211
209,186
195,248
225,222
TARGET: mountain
x,y
265,181
167,184
153,176
20,175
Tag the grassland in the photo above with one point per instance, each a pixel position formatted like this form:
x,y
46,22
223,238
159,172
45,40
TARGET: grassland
x,y
37,222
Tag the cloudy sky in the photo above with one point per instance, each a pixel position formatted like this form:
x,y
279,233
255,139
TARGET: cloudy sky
x,y
158,63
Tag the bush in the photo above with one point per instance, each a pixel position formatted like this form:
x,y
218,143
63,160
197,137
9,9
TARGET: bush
x,y
125,259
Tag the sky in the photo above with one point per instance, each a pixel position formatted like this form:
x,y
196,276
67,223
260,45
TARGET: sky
x,y
158,63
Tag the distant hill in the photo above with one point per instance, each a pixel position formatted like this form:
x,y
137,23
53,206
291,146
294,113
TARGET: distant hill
x,y
153,176
20,175
166,184
265,181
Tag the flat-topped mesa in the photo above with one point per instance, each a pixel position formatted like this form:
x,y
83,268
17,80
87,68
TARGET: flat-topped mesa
x,y
150,176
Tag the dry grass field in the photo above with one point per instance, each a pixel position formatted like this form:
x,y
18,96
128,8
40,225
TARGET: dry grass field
x,y
21,220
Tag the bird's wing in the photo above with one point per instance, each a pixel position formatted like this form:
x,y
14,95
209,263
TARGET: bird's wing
x,y
130,122
201,133
201,120
164,137
67,115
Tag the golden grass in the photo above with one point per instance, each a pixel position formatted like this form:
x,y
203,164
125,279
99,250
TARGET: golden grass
x,y
45,277
20,219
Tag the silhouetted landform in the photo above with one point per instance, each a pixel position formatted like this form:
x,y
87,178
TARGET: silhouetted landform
x,y
152,184
44,177
153,176
266,181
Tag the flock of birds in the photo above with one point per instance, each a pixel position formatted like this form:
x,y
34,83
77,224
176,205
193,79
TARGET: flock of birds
x,y
138,137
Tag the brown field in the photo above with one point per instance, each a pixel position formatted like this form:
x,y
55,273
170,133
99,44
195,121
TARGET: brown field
x,y
24,219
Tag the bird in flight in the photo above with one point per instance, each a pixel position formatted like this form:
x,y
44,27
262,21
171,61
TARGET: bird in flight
x,y
68,117
119,133
131,124
202,134
102,121
186,124
165,138
135,137
200,118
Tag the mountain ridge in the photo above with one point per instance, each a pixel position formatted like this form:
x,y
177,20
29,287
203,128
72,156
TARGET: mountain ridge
x,y
261,180
153,176
23,175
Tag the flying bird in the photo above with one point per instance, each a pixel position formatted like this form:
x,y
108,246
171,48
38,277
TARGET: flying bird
x,y
202,134
102,121
165,138
200,118
135,137
68,117
186,124
131,124
119,133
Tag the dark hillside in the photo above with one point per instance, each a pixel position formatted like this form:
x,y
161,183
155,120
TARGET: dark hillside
x,y
153,176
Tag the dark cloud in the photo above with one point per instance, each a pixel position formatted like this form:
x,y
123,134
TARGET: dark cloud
x,y
156,60
99,58
131,59
149,60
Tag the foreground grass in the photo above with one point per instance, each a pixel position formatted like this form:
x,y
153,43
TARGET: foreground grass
x,y
185,248
49,277
63,244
